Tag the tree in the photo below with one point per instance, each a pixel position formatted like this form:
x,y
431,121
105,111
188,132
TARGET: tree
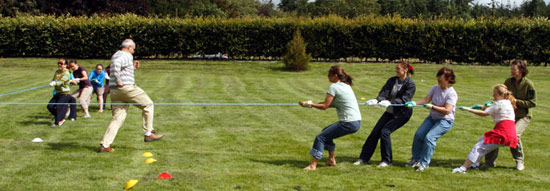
x,y
295,58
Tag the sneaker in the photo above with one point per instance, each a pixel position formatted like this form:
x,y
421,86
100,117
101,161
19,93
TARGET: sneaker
x,y
475,166
383,164
87,115
487,165
72,119
460,169
420,167
519,165
105,150
412,163
60,122
101,111
359,162
152,137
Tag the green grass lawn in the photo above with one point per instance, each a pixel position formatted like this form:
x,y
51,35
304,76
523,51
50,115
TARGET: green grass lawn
x,y
251,147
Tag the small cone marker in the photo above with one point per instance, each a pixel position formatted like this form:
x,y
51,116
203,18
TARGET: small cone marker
x,y
130,184
147,154
165,176
150,160
37,140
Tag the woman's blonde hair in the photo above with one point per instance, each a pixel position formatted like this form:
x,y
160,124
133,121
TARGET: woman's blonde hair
x,y
503,90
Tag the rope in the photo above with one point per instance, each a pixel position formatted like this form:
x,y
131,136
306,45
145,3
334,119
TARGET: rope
x,y
20,91
182,104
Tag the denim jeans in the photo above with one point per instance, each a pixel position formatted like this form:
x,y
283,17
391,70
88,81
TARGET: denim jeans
x,y
324,141
386,125
425,137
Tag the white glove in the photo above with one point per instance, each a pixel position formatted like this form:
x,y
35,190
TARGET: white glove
x,y
384,103
306,103
372,102
52,83
428,106
107,77
77,80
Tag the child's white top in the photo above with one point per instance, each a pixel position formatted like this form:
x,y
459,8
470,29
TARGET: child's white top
x,y
501,110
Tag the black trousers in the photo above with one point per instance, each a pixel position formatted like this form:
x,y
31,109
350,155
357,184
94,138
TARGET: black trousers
x,y
59,111
72,101
386,125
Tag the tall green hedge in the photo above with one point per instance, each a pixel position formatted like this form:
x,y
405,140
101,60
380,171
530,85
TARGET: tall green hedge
x,y
483,40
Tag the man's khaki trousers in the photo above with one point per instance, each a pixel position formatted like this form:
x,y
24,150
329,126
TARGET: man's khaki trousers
x,y
128,94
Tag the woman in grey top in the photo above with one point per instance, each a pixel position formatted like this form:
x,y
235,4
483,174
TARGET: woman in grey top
x,y
340,96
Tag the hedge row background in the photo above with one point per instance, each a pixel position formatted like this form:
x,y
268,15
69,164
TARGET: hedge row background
x,y
468,41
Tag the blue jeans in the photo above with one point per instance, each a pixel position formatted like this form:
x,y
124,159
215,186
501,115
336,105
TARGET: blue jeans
x,y
324,141
425,137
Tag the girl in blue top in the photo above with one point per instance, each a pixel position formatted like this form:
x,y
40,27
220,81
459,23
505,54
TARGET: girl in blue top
x,y
441,118
96,78
340,96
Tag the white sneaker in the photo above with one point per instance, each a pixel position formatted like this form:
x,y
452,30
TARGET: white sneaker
x,y
72,119
87,115
420,167
383,164
460,169
519,165
359,162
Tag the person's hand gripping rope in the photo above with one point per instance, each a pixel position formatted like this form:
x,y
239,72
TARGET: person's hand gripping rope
x,y
306,103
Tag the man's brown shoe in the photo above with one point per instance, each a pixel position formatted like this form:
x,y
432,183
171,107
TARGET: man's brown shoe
x,y
105,150
152,137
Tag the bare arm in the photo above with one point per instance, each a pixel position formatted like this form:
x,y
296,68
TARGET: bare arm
x,y
324,105
478,112
426,100
84,76
448,108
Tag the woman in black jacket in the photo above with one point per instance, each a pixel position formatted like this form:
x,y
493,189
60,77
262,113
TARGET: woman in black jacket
x,y
397,90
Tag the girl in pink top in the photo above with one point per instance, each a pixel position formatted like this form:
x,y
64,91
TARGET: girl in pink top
x,y
504,132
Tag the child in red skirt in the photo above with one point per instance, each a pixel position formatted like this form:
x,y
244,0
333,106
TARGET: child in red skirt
x,y
504,132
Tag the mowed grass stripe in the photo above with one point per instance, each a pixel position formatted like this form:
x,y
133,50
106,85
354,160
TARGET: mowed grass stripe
x,y
255,147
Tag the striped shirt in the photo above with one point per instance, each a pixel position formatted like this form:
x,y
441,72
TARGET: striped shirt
x,y
122,69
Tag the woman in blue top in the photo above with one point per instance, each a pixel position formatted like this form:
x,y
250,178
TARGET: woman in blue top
x,y
441,118
97,77
340,96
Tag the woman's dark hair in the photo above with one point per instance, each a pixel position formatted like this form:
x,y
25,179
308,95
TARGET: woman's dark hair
x,y
405,64
342,76
448,74
522,66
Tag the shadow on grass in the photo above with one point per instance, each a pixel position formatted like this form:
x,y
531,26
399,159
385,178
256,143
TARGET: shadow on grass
x,y
449,163
294,163
70,145
37,120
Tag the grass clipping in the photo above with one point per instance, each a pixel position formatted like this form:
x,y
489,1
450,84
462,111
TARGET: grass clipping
x,y
295,58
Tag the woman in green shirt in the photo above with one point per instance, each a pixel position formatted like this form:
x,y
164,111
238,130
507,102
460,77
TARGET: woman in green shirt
x,y
339,96
525,94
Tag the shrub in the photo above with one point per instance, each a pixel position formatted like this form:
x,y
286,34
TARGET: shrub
x,y
296,58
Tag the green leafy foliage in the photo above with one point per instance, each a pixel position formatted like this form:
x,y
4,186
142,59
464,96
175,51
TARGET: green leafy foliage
x,y
483,41
296,58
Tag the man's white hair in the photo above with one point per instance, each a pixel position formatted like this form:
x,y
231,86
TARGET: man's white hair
x,y
127,43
